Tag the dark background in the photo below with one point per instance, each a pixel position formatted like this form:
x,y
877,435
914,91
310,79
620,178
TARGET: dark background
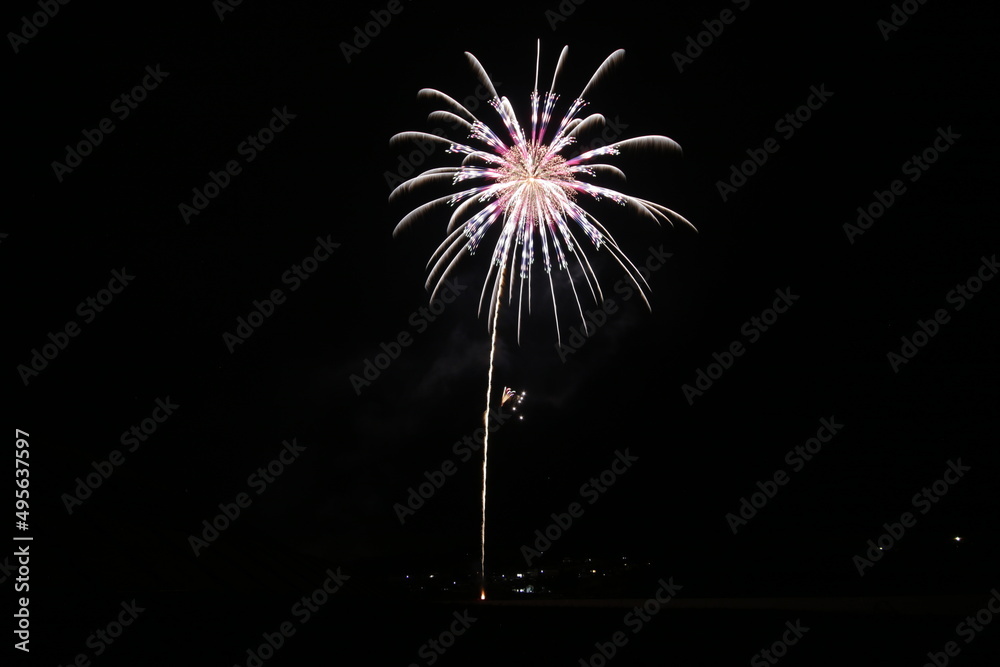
x,y
325,175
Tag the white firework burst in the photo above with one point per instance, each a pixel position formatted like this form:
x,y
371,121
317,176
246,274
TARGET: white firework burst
x,y
527,184
532,189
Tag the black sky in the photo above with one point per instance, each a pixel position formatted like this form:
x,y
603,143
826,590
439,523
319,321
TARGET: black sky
x,y
324,176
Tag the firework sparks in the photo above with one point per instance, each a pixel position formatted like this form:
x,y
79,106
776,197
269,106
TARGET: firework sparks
x,y
531,188
509,395
529,183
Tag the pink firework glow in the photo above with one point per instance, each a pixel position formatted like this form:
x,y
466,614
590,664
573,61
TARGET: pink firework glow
x,y
528,184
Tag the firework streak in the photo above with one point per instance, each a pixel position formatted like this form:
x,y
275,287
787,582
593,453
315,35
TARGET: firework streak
x,y
530,182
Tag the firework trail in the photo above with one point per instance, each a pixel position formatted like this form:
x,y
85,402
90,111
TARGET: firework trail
x,y
530,187
486,445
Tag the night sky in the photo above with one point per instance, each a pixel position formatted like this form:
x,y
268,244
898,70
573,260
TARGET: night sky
x,y
303,215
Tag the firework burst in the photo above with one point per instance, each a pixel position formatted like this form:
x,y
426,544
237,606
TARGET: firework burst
x,y
532,186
